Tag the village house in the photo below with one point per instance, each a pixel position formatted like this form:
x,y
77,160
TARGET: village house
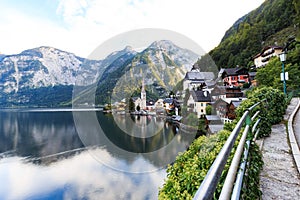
x,y
235,76
218,92
231,113
198,101
264,56
221,108
233,92
119,107
212,119
195,79
213,124
226,109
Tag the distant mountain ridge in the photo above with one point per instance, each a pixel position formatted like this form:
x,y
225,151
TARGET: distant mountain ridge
x,y
45,76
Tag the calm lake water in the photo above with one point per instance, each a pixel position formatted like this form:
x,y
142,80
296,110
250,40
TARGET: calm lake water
x,y
84,155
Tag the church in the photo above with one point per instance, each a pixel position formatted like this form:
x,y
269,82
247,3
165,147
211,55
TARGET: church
x,y
140,101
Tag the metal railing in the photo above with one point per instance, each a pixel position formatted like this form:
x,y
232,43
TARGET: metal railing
x,y
234,179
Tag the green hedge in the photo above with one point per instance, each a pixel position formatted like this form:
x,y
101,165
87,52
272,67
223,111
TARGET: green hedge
x,y
271,111
190,168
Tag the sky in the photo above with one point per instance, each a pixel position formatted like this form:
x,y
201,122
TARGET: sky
x,y
80,26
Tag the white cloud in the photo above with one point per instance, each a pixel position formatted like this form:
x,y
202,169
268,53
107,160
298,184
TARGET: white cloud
x,y
87,23
203,21
80,177
19,31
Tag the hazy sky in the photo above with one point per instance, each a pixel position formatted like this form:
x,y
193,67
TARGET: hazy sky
x,y
79,26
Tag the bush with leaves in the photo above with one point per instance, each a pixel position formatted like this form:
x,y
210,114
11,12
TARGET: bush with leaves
x,y
271,110
188,171
276,103
251,184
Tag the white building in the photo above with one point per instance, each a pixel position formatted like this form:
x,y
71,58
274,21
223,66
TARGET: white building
x,y
195,79
263,58
198,101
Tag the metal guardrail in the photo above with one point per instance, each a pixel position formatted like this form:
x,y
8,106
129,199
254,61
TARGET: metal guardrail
x,y
210,182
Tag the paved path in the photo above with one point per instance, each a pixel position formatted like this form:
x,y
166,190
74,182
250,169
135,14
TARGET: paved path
x,y
279,178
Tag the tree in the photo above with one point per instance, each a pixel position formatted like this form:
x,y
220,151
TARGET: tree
x,y
131,105
208,109
270,75
201,127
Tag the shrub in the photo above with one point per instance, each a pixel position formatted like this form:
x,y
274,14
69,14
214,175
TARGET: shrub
x,y
188,171
272,111
275,102
250,188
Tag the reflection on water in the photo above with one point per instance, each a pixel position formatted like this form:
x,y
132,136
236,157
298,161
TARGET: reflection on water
x,y
42,157
37,134
144,134
78,177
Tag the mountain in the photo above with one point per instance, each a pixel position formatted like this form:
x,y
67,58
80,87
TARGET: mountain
x,y
272,23
43,67
161,65
45,76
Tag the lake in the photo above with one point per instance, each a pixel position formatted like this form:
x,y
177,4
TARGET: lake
x,y
63,154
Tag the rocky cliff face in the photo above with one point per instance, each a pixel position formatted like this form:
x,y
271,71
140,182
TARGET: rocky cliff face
x,y
44,67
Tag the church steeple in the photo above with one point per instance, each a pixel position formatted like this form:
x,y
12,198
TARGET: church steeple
x,y
143,95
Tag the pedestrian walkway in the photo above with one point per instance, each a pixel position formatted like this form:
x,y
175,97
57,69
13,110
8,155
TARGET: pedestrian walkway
x,y
279,178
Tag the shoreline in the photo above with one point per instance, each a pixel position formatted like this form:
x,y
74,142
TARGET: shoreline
x,y
49,109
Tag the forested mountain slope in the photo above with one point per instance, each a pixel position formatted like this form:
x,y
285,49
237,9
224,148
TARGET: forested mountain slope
x,y
273,23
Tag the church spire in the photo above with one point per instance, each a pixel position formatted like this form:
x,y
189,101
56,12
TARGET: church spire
x,y
143,95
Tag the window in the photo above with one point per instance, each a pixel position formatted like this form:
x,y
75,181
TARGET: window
x,y
201,104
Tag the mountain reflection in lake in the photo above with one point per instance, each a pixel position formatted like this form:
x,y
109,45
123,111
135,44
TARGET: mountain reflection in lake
x,y
42,157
